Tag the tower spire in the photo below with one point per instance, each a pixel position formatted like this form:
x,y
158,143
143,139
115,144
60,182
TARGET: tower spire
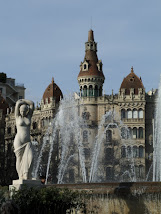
x,y
91,69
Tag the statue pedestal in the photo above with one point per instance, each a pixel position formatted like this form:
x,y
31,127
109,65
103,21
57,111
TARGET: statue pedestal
x,y
19,184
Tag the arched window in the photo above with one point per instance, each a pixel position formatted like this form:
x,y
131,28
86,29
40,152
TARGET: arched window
x,y
109,173
123,115
85,91
140,113
135,152
141,151
134,133
96,91
100,91
129,152
90,90
85,136
140,132
129,114
129,133
34,125
108,136
124,133
135,113
123,151
85,66
109,154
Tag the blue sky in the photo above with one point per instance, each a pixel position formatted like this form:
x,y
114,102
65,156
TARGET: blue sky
x,y
41,39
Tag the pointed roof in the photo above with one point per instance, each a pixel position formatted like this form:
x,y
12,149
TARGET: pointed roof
x,y
90,36
132,81
91,58
52,91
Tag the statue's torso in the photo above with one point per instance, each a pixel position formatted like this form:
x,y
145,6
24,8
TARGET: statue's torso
x,y
23,131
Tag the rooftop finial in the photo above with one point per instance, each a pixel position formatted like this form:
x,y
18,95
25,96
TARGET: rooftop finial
x,y
91,22
90,36
52,80
132,70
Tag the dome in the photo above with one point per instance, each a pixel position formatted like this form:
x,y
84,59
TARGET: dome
x,y
52,91
132,81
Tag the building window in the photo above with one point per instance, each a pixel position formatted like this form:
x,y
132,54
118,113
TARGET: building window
x,y
141,151
124,132
34,125
134,134
85,66
129,114
109,154
96,91
129,152
140,113
140,132
90,90
85,136
20,97
129,133
100,91
123,115
135,113
135,152
85,91
123,151
108,136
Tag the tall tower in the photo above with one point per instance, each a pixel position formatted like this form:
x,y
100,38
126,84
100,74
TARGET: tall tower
x,y
91,77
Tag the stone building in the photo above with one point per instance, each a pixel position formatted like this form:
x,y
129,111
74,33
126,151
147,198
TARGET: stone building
x,y
10,90
126,150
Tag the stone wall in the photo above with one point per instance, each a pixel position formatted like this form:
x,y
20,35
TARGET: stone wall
x,y
119,198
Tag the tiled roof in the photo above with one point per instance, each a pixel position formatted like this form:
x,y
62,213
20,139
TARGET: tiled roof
x,y
132,81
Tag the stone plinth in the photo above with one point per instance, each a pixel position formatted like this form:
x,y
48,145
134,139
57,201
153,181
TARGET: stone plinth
x,y
19,184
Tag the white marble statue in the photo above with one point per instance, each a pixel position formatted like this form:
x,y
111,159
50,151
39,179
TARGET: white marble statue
x,y
22,142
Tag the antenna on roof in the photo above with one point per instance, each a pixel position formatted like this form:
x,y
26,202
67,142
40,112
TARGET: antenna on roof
x,y
91,22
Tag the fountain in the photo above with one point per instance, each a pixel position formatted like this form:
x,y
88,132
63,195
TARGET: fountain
x,y
157,139
65,131
64,138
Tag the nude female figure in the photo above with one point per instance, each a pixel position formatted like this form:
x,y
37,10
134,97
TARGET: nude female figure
x,y
22,142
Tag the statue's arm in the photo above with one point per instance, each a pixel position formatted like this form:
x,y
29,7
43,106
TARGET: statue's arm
x,y
31,106
17,107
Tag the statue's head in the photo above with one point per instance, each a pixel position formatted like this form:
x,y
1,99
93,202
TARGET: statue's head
x,y
23,110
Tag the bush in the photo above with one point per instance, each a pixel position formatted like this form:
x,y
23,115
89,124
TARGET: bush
x,y
4,195
46,200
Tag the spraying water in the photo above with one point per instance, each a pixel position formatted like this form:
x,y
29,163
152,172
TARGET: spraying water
x,y
157,139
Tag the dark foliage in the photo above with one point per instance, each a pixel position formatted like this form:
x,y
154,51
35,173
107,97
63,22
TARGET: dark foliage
x,y
46,200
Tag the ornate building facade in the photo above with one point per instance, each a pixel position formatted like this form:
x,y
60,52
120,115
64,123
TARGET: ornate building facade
x,y
127,137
